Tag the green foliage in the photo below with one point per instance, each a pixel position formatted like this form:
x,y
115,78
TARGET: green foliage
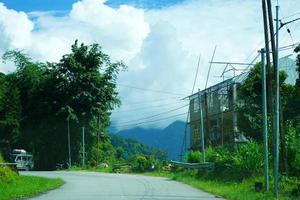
x,y
142,163
293,146
79,90
230,190
193,157
27,186
127,148
10,109
241,162
250,102
6,174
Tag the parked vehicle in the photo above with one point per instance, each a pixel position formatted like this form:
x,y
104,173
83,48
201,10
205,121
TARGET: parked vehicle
x,y
23,160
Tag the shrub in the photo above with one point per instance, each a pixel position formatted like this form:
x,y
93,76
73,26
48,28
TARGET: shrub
x,y
142,163
237,163
293,146
193,157
248,159
6,174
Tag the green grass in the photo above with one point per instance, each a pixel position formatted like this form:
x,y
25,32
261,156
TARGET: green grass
x,y
230,190
25,186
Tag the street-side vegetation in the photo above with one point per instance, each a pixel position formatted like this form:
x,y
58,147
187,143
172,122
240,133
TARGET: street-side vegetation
x,y
13,186
40,102
230,190
130,156
26,186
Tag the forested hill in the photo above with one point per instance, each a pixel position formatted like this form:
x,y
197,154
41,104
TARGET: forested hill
x,y
168,139
127,148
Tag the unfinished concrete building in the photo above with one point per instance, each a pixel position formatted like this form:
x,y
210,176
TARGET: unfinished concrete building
x,y
220,120
218,114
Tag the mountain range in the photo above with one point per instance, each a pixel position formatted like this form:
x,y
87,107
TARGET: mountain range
x,y
169,139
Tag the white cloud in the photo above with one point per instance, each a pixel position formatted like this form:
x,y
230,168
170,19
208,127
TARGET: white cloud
x,y
161,47
48,36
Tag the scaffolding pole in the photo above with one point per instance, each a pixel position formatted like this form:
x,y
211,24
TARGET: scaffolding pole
x,y
202,128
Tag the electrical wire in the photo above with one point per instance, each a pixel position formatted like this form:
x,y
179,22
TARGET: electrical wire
x,y
156,120
152,90
149,107
153,116
151,101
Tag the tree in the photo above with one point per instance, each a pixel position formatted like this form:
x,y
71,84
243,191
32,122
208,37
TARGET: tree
x,y
81,87
250,102
10,109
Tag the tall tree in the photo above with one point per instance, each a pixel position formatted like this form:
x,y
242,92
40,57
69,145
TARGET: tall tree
x,y
81,88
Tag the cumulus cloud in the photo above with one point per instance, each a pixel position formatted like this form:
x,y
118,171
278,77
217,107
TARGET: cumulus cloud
x,y
160,46
46,36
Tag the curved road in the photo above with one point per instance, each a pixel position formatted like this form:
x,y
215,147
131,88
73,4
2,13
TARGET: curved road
x,y
103,186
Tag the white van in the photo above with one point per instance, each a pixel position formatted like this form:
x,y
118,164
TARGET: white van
x,y
23,160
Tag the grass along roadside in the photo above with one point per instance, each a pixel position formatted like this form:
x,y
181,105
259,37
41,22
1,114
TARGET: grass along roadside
x,y
229,190
26,186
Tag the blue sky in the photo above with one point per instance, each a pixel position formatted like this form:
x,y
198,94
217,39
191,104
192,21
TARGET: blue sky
x,y
46,5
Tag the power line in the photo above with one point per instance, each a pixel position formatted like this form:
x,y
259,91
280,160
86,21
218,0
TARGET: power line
x,y
297,13
151,101
152,90
160,119
152,116
148,107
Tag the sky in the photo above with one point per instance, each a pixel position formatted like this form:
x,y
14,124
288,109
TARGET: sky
x,y
160,42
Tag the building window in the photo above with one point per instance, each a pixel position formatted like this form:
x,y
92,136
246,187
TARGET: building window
x,y
196,105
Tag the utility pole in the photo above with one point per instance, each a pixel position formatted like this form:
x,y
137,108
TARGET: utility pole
x,y
202,128
83,148
265,119
69,145
276,134
267,51
272,35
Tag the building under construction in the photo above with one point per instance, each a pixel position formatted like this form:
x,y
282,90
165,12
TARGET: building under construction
x,y
220,120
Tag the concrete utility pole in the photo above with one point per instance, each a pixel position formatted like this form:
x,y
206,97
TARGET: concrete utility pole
x,y
276,127
272,35
83,148
69,145
265,119
267,50
202,128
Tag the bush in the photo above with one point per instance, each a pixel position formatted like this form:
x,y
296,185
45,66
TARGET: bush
x,y
142,164
193,157
6,174
293,147
237,163
248,159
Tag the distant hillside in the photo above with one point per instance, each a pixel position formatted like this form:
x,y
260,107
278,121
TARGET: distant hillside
x,y
168,139
127,148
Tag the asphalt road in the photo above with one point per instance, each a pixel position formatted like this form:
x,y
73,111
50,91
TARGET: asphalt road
x,y
103,186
